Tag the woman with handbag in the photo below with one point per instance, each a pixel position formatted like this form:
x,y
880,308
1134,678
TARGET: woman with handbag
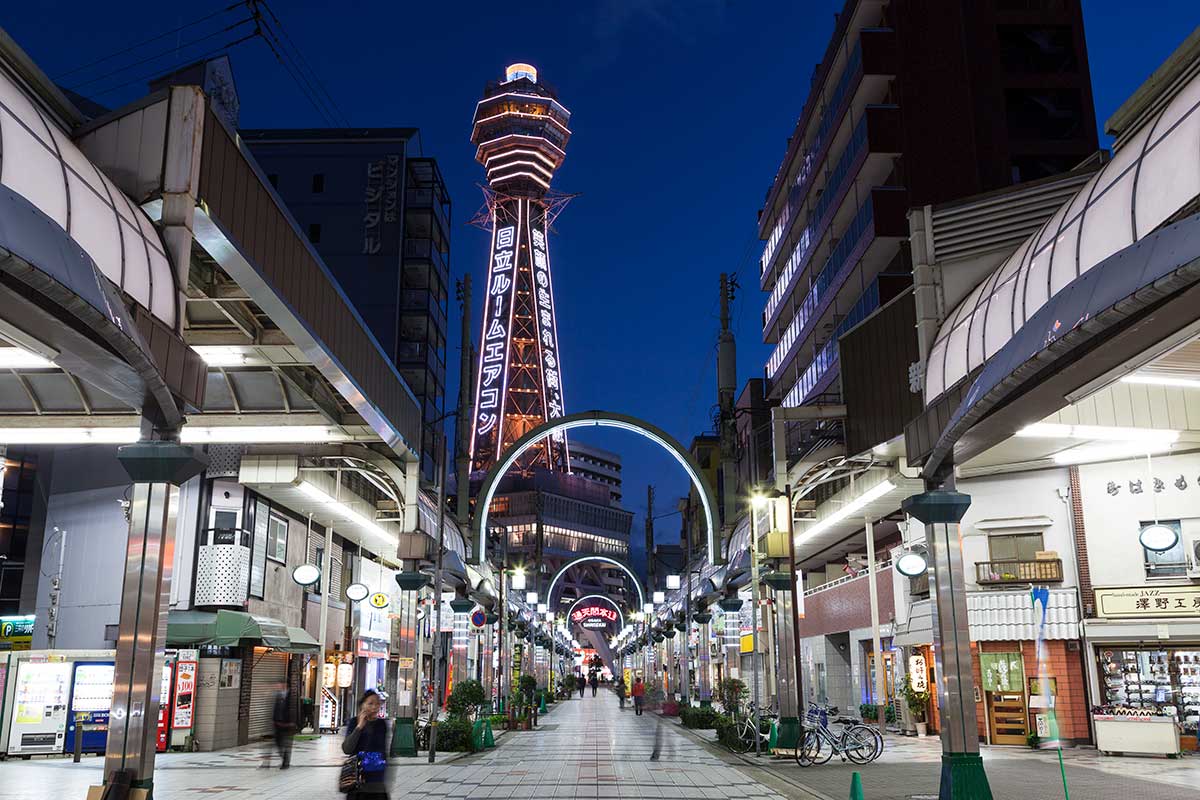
x,y
364,774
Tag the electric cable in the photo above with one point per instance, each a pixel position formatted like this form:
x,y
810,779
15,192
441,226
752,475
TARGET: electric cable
x,y
173,50
159,72
154,38
300,81
303,61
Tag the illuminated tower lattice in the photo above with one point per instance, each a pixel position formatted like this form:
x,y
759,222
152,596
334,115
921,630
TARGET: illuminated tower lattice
x,y
521,134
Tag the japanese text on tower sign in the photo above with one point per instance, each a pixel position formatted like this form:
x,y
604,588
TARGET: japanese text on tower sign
x,y
500,284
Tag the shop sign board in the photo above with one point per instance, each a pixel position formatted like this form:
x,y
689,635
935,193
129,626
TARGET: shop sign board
x,y
185,694
594,617
918,675
1147,602
16,633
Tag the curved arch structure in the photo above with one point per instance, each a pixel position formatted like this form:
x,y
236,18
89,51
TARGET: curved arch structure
x,y
610,561
603,597
602,419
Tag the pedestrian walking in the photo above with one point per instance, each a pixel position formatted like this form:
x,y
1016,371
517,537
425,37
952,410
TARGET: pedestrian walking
x,y
284,721
639,696
594,682
621,693
581,683
367,738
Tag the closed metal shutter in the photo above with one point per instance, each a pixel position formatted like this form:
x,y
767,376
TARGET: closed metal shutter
x,y
269,670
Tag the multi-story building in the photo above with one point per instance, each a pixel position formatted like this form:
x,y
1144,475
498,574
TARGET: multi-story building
x,y
598,465
912,104
379,215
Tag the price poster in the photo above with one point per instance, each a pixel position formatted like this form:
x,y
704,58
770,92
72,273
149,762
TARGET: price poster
x,y
185,694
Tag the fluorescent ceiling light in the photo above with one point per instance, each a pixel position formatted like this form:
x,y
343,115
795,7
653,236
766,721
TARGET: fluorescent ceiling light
x,y
864,499
1110,452
69,435
344,511
1161,380
20,358
264,434
221,355
1048,430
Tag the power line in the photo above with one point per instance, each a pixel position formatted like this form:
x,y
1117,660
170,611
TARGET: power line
x,y
159,72
156,56
300,53
133,47
301,82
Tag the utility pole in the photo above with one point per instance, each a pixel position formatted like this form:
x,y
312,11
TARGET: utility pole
x,y
726,391
649,578
466,414
442,453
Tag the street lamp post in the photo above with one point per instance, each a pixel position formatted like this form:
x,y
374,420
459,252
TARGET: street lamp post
x,y
756,502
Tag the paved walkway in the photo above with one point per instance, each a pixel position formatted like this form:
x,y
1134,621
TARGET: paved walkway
x,y
910,768
589,749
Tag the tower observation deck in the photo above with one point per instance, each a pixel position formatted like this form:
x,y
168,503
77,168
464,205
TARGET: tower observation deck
x,y
521,134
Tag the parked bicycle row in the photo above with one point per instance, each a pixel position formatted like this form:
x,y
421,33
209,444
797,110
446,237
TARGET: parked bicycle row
x,y
849,738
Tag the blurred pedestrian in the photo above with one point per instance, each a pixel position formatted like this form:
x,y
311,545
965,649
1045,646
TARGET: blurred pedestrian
x,y
639,696
284,720
594,682
581,683
621,693
367,737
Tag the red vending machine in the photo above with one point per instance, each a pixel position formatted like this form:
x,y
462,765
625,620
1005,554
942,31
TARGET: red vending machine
x,y
164,706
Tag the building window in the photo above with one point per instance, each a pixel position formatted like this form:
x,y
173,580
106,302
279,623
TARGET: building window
x,y
318,183
1018,547
1169,563
273,180
277,530
314,233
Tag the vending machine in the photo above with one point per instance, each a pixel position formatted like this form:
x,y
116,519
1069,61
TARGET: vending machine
x,y
39,715
91,700
164,708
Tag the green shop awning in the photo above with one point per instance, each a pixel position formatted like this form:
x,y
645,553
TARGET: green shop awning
x,y
226,628
302,642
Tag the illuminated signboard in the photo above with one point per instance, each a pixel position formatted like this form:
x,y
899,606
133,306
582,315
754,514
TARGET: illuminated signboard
x,y
594,617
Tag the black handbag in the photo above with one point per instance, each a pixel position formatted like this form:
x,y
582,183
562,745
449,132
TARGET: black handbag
x,y
350,776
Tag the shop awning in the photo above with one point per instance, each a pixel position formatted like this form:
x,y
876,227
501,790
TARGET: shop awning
x,y
301,641
226,628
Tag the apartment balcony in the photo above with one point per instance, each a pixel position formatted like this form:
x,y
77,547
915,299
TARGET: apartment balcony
x,y
431,199
1008,573
423,250
421,301
414,353
223,567
866,161
863,81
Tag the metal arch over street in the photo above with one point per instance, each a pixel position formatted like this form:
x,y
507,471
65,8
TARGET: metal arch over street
x,y
603,597
603,419
582,559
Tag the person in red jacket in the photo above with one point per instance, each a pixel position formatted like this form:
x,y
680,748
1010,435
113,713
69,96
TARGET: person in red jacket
x,y
639,696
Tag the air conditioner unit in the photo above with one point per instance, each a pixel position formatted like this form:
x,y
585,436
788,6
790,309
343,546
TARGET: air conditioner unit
x,y
1192,555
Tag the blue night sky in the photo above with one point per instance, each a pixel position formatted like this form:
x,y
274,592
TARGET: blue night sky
x,y
681,111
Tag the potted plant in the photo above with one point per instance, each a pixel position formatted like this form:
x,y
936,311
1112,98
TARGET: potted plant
x,y
916,702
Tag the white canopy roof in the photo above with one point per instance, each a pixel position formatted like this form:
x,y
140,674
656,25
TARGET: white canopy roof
x,y
39,162
1155,174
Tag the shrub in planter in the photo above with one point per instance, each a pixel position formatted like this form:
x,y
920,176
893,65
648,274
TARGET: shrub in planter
x,y
731,692
868,711
726,731
497,721
464,698
528,686
699,718
454,735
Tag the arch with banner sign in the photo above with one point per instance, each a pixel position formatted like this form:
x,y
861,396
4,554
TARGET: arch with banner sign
x,y
603,419
612,561
619,618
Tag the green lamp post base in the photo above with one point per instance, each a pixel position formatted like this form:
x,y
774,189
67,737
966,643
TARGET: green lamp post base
x,y
789,733
963,778
404,743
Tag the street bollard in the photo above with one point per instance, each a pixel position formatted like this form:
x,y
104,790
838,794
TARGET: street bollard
x,y
78,737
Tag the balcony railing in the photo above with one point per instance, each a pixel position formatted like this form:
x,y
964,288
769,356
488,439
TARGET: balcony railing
x,y
827,356
423,250
1004,573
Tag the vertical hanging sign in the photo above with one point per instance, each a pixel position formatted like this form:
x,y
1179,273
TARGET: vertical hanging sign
x,y
493,352
546,327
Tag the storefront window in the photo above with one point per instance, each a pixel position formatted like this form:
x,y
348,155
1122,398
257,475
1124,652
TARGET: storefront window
x,y
1168,563
1164,680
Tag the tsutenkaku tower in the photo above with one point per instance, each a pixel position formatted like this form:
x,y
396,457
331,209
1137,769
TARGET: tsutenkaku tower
x,y
521,134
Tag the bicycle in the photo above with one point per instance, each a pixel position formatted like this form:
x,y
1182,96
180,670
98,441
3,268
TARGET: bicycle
x,y
856,742
744,730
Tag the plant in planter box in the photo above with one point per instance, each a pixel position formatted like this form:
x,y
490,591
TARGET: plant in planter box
x,y
731,692
465,699
868,711
916,702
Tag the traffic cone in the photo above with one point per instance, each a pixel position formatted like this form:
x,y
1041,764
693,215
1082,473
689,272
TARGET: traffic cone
x,y
856,787
773,741
542,705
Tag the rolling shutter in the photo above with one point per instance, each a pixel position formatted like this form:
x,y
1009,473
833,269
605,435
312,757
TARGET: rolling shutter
x,y
269,668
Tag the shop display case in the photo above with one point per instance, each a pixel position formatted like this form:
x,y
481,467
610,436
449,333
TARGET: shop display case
x,y
1163,684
